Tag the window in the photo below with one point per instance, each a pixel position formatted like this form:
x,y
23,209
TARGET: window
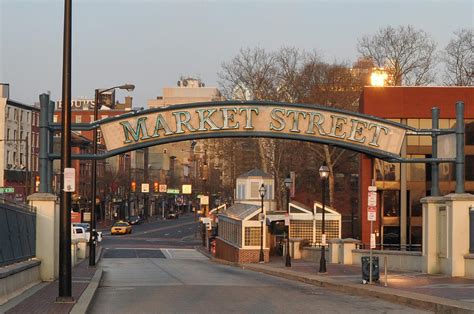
x,y
8,112
21,135
55,118
241,191
469,167
387,171
78,119
269,193
8,134
27,116
469,133
15,114
254,186
252,236
21,115
14,134
391,203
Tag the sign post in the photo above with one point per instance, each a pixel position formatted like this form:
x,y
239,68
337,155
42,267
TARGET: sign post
x,y
371,216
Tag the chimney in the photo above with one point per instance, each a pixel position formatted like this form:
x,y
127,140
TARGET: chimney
x,y
4,90
128,102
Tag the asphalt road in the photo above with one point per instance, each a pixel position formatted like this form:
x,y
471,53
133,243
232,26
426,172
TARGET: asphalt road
x,y
157,270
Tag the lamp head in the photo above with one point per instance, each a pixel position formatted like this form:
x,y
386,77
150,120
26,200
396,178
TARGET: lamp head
x,y
262,191
288,182
128,87
324,171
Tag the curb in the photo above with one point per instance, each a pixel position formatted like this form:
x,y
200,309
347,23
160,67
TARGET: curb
x,y
82,305
411,299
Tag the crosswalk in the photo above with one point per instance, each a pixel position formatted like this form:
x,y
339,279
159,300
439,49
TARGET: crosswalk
x,y
168,253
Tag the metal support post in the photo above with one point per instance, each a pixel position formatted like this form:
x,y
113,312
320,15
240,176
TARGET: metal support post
x,y
50,174
434,153
145,180
94,184
471,229
65,271
43,144
459,147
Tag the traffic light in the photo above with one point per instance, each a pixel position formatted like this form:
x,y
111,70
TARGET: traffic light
x,y
134,186
156,187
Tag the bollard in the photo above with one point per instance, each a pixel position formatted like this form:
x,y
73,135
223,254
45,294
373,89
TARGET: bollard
x,y
385,264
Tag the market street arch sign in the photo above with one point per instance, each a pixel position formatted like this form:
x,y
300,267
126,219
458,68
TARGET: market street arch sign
x,y
363,133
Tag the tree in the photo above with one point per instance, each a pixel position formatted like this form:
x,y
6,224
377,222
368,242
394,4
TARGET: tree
x,y
407,54
458,58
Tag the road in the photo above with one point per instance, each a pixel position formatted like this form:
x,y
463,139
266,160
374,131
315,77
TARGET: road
x,y
156,270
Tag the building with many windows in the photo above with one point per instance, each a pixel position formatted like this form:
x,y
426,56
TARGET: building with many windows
x,y
19,146
401,186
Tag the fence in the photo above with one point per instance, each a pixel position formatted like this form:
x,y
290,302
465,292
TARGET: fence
x,y
17,232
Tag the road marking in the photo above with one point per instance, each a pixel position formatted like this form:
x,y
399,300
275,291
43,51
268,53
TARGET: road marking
x,y
167,234
167,253
179,231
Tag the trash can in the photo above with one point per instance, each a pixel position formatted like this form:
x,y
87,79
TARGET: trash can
x,y
365,261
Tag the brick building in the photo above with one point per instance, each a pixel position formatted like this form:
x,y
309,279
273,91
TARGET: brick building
x,y
401,186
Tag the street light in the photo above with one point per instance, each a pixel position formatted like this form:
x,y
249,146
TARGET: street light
x,y
262,192
128,87
324,174
288,185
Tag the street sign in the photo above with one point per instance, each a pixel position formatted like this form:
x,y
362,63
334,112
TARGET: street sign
x,y
69,180
145,187
7,190
172,191
372,240
163,188
187,188
372,213
287,219
204,200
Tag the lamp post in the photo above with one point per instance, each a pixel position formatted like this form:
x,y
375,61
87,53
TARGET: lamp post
x,y
262,192
324,174
288,185
128,87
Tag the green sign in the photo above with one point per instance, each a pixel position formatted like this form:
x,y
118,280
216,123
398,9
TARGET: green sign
x,y
7,190
172,191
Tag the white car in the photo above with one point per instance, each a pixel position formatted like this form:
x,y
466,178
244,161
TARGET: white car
x,y
78,232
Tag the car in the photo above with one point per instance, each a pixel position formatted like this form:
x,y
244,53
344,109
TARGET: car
x,y
84,225
121,227
78,232
173,215
135,220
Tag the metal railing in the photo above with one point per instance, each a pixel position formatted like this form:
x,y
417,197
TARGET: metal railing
x,y
392,247
17,232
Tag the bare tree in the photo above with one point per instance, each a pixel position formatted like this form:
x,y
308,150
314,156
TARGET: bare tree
x,y
458,58
406,53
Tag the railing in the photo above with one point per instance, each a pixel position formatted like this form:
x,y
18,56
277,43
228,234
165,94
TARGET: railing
x,y
17,232
392,247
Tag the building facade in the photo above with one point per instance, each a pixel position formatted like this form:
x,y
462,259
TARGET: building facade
x,y
19,146
401,186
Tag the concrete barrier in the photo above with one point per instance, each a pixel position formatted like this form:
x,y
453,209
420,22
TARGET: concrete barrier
x,y
17,278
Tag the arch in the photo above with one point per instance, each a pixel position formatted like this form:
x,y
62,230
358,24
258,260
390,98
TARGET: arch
x,y
226,119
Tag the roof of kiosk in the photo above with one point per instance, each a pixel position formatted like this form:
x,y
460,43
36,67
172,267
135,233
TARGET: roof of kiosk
x,y
255,173
241,211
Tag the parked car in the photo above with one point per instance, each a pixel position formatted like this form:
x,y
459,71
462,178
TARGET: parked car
x,y
78,232
121,227
84,225
135,220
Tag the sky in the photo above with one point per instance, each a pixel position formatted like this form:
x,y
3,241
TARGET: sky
x,y
153,43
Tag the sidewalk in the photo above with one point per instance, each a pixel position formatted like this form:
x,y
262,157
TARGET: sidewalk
x,y
43,300
432,292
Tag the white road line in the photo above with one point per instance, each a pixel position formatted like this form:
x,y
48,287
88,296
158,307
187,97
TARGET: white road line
x,y
167,253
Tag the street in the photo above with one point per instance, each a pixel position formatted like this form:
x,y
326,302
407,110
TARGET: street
x,y
157,270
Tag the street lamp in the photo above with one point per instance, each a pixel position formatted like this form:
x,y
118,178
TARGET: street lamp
x,y
324,174
288,185
262,192
128,87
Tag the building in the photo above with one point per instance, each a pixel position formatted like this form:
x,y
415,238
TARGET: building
x,y
401,186
193,162
19,146
114,174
